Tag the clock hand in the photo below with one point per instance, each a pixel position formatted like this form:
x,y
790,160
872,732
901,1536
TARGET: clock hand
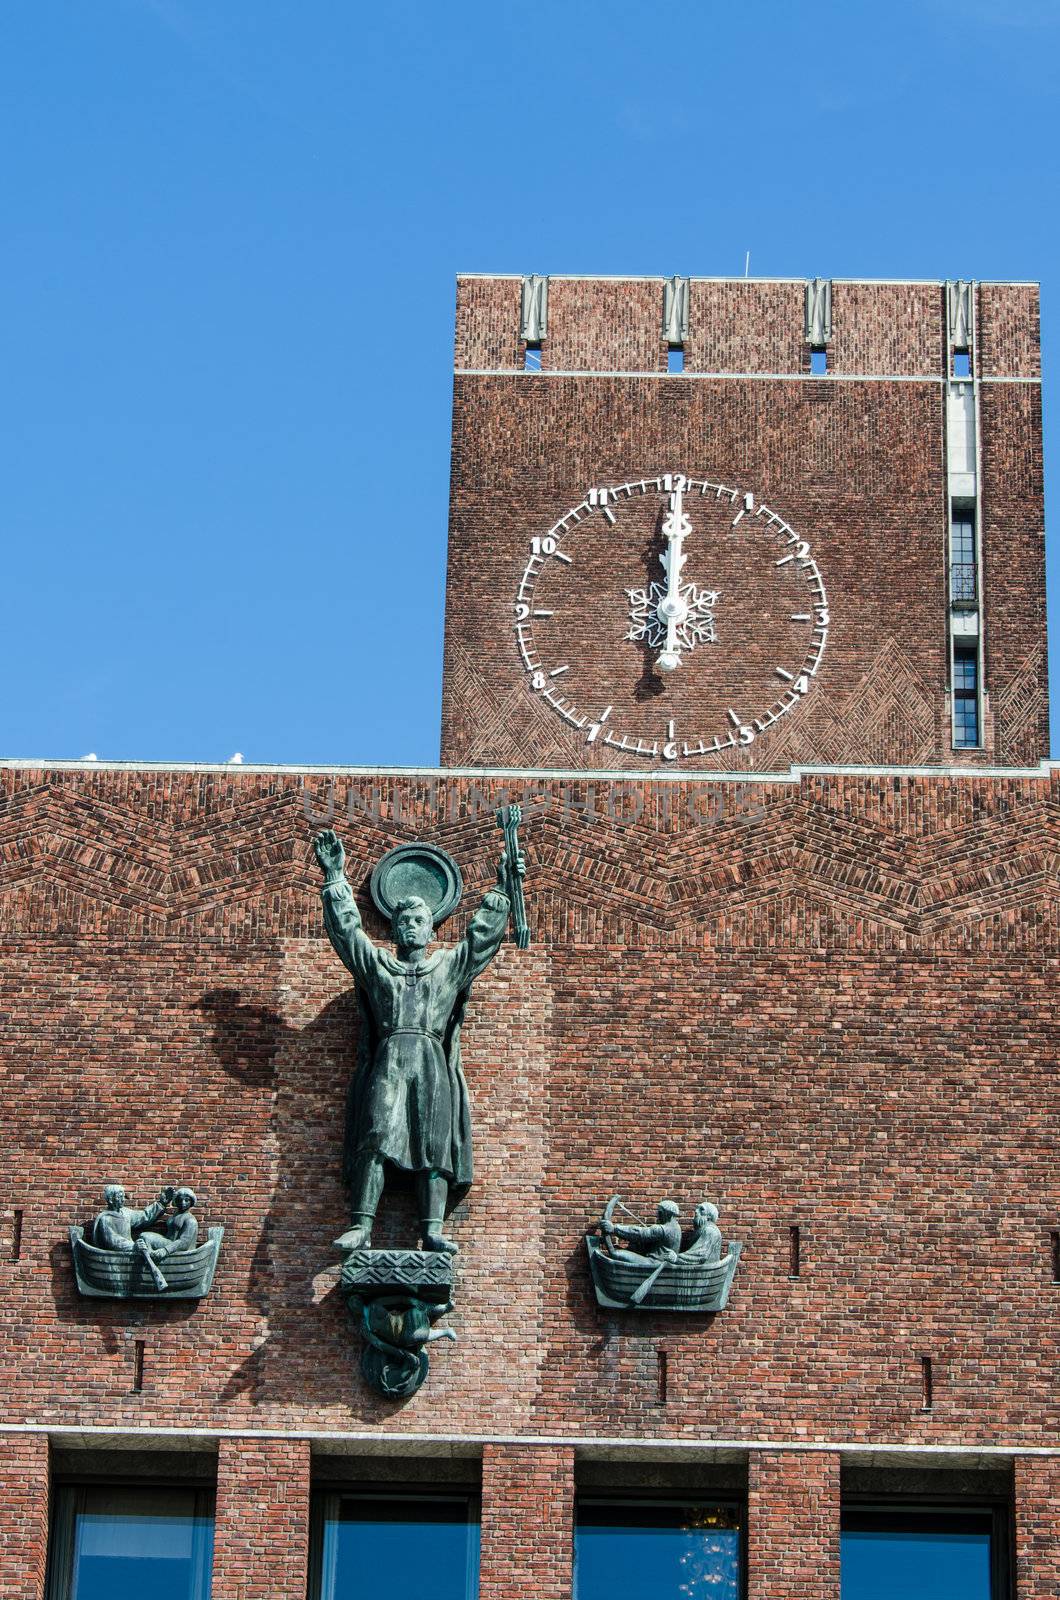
x,y
672,609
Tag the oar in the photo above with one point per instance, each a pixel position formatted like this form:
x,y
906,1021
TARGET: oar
x,y
637,1297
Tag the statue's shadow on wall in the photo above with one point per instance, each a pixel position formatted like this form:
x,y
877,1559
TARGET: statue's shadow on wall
x,y
311,1347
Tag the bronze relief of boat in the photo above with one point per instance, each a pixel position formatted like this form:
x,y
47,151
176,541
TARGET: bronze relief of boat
x,y
120,1275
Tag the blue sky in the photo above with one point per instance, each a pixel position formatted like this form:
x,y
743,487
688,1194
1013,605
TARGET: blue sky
x,y
230,234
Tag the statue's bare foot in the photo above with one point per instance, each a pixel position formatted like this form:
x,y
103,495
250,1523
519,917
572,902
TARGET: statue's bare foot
x,y
359,1237
438,1241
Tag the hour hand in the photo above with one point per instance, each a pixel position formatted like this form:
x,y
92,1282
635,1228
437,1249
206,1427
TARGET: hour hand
x,y
672,609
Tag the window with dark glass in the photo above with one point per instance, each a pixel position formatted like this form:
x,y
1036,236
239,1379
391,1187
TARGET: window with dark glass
x,y
923,1553
404,1545
652,1550
965,696
115,1543
963,586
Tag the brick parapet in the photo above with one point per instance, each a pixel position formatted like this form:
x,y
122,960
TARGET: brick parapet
x,y
744,325
261,1529
527,1522
793,1506
24,1510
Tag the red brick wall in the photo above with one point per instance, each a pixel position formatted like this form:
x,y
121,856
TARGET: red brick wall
x,y
261,1533
1037,1519
855,467
527,1523
590,320
831,1003
23,1515
1008,330
744,326
895,329
793,1526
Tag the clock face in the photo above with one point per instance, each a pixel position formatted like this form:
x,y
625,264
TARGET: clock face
x,y
671,617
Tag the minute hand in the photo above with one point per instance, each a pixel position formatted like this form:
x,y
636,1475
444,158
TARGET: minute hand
x,y
672,609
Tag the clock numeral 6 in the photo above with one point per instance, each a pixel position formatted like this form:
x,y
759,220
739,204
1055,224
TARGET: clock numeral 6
x,y
543,547
538,680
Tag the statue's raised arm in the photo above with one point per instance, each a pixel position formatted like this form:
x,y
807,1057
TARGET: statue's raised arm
x,y
342,919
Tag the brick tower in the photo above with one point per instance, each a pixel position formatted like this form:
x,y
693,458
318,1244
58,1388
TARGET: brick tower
x,y
863,567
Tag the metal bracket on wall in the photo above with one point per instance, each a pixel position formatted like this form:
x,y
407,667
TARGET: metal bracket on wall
x,y
818,328
675,310
959,318
533,308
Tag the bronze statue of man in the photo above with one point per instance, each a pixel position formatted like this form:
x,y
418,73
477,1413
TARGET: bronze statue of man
x,y
409,1103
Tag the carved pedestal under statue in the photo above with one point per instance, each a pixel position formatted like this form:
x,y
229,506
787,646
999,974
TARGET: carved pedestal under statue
x,y
153,1254
409,1113
662,1267
398,1296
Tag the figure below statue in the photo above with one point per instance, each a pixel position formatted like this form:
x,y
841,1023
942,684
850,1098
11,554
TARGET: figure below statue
x,y
409,1109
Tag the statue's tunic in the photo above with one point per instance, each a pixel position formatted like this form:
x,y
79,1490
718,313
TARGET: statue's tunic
x,y
410,1101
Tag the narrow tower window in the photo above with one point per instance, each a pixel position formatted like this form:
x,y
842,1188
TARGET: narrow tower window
x,y
965,697
963,587
675,358
532,358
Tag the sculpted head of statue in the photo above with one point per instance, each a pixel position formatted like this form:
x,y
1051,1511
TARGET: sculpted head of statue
x,y
667,1210
704,1213
114,1196
184,1198
412,924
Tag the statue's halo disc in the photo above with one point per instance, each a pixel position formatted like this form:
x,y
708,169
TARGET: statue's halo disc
x,y
422,869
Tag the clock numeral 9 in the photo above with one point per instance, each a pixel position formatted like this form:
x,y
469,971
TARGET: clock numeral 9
x,y
521,612
543,547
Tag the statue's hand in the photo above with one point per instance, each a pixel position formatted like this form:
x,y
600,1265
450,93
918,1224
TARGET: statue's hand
x,y
509,872
327,847
166,1194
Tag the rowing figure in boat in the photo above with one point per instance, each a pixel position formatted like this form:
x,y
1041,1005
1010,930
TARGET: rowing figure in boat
x,y
660,1266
